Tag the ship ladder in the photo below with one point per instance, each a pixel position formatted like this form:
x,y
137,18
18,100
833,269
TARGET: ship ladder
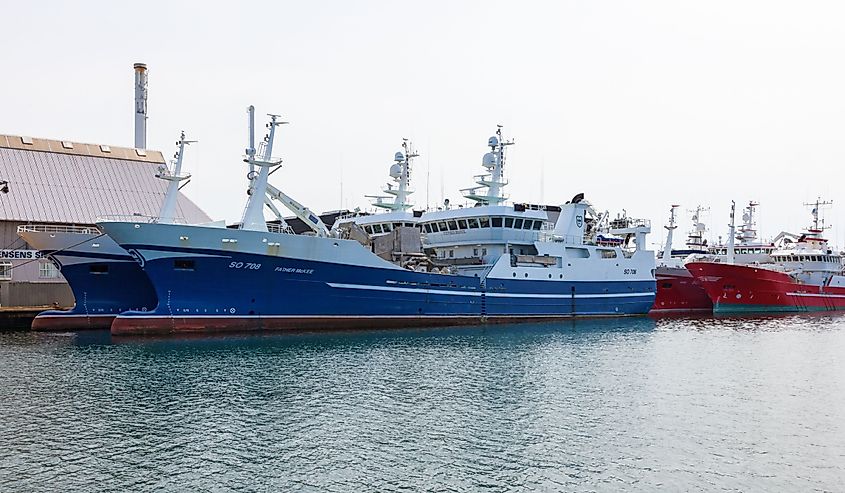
x,y
85,305
572,302
483,301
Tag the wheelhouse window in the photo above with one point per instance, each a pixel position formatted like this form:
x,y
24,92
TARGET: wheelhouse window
x,y
484,221
5,271
517,224
453,226
462,223
427,228
508,222
368,229
538,225
497,222
527,224
473,223
442,226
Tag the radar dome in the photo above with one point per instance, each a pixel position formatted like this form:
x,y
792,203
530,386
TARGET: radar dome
x,y
489,160
493,141
396,171
399,157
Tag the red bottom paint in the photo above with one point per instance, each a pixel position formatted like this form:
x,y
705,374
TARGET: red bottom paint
x,y
208,325
58,322
678,291
743,288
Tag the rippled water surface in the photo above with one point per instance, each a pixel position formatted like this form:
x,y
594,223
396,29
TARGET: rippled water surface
x,y
613,405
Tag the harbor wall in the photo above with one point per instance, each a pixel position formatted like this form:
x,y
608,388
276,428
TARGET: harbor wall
x,y
26,293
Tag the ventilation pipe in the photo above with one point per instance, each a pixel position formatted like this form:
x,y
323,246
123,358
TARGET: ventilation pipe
x,y
140,106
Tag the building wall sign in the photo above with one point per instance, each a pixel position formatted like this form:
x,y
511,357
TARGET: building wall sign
x,y
20,254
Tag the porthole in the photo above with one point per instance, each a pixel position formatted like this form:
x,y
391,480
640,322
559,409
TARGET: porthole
x,y
514,274
526,274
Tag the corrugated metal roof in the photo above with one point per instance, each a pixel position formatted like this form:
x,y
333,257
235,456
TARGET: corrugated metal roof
x,y
52,182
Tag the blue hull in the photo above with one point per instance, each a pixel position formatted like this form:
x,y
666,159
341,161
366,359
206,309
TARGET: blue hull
x,y
206,290
102,288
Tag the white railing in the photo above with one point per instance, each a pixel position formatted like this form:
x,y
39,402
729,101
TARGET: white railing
x,y
278,228
58,228
568,239
138,218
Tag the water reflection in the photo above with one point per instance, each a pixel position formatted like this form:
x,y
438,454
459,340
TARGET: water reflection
x,y
630,404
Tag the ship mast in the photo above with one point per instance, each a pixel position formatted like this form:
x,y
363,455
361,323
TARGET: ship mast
x,y
818,224
400,171
253,218
731,233
168,208
748,230
695,239
494,182
667,248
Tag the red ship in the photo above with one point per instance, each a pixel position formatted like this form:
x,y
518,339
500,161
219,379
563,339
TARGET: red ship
x,y
677,289
804,274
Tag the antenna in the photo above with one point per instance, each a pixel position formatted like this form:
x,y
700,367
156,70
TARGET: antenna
x,y
818,224
428,177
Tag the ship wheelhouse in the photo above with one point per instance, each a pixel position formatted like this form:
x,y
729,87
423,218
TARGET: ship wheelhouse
x,y
480,235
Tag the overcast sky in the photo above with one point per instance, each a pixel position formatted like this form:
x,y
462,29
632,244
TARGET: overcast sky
x,y
637,104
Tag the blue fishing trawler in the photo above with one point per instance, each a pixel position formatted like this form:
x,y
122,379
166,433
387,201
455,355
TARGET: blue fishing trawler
x,y
510,264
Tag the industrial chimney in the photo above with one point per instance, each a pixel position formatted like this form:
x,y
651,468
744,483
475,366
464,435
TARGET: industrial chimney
x,y
140,106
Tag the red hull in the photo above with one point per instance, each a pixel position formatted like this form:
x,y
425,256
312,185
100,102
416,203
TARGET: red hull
x,y
678,291
742,288
58,322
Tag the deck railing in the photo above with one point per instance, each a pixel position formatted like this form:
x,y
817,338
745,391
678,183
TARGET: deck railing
x,y
58,228
138,218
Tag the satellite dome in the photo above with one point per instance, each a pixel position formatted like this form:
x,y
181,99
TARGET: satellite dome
x,y
489,160
493,141
396,170
399,157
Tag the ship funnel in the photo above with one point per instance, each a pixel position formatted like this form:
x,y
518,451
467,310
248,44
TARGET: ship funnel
x,y
140,106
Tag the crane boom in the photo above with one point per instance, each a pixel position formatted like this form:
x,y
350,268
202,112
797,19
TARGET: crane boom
x,y
307,216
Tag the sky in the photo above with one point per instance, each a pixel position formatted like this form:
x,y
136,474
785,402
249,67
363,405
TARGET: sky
x,y
639,105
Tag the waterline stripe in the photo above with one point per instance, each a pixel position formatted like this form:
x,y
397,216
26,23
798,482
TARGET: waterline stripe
x,y
492,295
817,295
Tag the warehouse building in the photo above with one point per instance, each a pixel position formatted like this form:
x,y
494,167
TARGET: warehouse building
x,y
68,185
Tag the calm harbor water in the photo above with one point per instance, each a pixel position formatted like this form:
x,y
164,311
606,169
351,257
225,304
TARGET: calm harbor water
x,y
611,405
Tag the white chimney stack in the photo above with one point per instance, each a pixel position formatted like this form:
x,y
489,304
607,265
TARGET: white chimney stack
x,y
140,106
